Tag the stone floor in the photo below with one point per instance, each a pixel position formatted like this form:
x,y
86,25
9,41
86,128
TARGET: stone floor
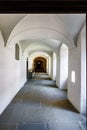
x,y
40,105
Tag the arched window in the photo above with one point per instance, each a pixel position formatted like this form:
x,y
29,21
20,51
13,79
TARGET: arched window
x,y
17,52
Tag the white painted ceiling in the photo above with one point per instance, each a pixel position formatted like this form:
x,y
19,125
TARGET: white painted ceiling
x,y
8,22
40,45
72,22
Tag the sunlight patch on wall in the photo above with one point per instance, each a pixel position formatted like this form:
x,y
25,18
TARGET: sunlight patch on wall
x,y
73,76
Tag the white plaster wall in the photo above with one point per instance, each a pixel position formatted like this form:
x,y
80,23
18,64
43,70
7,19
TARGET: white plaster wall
x,y
54,66
47,67
58,68
74,89
63,66
11,79
83,70
22,70
51,67
77,63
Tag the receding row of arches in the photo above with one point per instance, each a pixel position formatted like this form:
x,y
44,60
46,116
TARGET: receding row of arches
x,y
43,64
56,65
50,50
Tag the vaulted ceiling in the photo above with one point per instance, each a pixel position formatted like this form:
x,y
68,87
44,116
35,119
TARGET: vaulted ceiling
x,y
47,30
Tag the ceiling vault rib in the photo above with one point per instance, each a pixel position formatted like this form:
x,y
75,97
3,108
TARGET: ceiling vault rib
x,y
50,29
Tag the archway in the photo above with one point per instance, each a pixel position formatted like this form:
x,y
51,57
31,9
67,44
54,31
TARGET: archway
x,y
39,64
46,56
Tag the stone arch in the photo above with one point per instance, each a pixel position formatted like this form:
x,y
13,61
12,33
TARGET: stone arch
x,y
46,56
40,33
36,46
39,64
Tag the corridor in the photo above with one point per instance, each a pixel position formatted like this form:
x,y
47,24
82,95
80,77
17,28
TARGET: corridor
x,y
40,105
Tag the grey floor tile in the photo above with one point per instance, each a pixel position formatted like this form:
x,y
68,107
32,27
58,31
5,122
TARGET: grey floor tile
x,y
64,126
32,126
40,101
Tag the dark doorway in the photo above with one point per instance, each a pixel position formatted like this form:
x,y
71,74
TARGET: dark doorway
x,y
40,64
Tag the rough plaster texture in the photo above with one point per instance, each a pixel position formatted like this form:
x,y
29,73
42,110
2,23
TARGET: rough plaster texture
x,y
11,79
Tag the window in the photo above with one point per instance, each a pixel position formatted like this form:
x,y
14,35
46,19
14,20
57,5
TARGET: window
x,y
17,52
